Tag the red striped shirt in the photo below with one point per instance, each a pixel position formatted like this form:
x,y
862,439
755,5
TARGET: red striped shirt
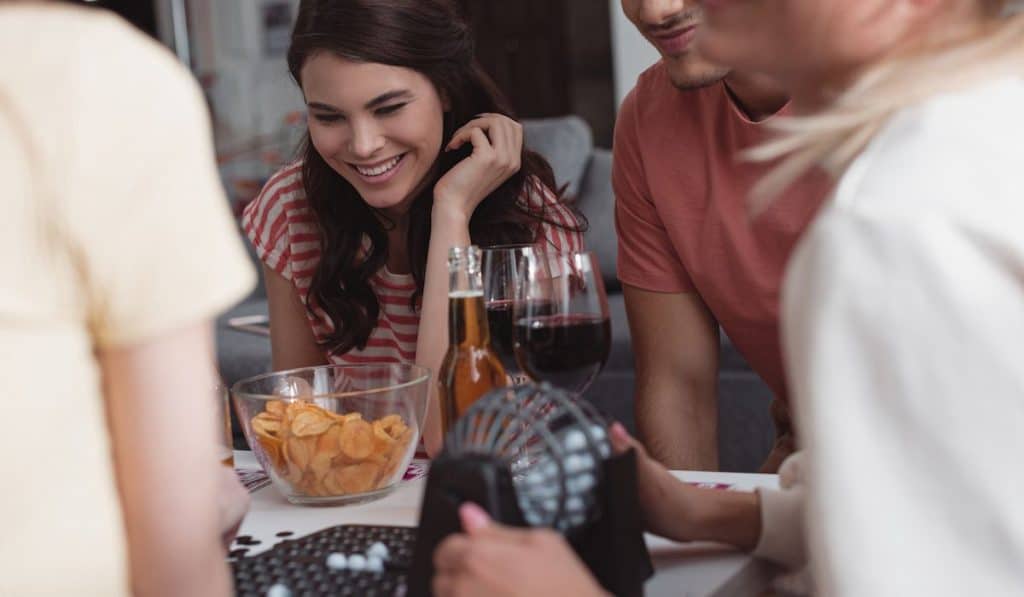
x,y
282,228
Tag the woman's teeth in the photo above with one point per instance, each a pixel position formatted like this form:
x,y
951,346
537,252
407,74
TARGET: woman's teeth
x,y
378,170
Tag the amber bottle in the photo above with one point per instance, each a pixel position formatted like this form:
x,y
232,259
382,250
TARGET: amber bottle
x,y
470,368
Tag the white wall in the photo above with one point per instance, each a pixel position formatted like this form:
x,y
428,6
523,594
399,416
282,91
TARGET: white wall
x,y
631,53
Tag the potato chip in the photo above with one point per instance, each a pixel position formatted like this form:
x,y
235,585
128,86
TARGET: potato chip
x,y
310,422
356,478
272,447
266,425
297,453
393,425
292,473
276,408
342,418
356,439
397,455
320,464
382,442
323,453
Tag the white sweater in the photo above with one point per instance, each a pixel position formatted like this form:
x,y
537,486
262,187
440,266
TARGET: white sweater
x,y
903,329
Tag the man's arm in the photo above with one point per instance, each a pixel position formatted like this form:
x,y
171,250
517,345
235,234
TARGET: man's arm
x,y
675,342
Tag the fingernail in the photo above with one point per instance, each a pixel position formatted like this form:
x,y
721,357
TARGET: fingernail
x,y
473,517
619,433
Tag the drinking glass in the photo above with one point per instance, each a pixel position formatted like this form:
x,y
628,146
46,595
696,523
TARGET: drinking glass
x,y
225,441
562,328
501,267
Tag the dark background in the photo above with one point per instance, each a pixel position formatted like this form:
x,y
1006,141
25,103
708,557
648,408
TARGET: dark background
x,y
551,57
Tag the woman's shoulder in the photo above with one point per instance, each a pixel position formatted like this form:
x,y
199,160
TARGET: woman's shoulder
x,y
280,217
283,193
952,150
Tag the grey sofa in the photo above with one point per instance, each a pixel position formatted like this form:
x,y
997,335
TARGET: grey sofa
x,y
745,431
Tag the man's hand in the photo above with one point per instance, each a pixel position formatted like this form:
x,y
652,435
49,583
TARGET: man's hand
x,y
682,512
665,502
490,559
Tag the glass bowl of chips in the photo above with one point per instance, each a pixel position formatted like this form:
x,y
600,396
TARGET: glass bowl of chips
x,y
334,434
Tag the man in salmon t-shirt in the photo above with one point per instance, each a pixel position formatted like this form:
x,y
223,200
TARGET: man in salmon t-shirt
x,y
690,257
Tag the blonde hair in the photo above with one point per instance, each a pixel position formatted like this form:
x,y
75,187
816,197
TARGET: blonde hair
x,y
833,138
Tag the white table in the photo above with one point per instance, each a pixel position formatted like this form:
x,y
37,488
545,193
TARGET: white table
x,y
692,569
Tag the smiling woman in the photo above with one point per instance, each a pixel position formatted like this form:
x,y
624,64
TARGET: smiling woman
x,y
378,126
411,150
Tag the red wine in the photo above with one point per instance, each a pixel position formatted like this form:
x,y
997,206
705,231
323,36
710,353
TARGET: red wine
x,y
499,319
566,350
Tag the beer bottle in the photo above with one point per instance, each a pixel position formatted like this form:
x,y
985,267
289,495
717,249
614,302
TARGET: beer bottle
x,y
470,368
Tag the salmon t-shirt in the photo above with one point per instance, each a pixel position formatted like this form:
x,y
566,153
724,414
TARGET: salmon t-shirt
x,y
682,216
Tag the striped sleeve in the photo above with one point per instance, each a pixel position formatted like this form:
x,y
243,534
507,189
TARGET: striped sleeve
x,y
265,219
562,230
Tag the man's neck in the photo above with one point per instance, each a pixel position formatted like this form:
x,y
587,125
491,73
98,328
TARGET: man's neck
x,y
757,96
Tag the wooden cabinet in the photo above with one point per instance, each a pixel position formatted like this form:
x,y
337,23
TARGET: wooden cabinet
x,y
550,57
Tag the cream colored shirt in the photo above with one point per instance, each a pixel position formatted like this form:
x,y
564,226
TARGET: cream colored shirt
x,y
115,230
903,321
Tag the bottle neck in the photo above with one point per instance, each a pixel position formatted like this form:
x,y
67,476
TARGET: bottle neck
x,y
467,320
467,317
463,279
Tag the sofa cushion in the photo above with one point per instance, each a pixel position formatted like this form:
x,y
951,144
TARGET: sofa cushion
x,y
566,143
597,202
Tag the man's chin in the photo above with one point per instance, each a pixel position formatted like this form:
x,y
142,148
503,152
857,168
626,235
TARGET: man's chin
x,y
690,72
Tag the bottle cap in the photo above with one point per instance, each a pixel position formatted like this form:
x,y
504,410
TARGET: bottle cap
x,y
467,258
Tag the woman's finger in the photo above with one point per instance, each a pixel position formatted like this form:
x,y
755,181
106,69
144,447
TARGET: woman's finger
x,y
485,122
473,517
517,142
502,133
512,139
482,147
460,137
450,555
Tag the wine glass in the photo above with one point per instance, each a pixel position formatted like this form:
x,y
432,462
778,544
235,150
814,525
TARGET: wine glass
x,y
562,328
501,266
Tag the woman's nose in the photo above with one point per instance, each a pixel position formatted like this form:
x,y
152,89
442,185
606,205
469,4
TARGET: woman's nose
x,y
366,140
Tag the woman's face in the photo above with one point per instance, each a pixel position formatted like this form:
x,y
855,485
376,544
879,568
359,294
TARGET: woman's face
x,y
378,126
804,42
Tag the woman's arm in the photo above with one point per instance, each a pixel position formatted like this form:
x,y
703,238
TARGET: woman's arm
x,y
497,147
448,229
291,339
160,405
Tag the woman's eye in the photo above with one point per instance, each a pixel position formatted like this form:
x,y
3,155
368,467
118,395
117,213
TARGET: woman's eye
x,y
327,118
388,110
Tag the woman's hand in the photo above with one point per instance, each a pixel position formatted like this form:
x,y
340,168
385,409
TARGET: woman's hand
x,y
491,559
497,150
232,504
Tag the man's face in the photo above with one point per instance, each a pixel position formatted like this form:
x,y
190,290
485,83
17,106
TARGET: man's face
x,y
672,25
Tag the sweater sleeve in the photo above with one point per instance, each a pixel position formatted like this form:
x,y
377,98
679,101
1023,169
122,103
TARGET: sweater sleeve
x,y
783,540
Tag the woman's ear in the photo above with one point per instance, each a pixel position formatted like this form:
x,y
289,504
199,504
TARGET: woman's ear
x,y
446,101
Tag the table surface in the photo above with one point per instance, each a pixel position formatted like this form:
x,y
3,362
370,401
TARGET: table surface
x,y
691,569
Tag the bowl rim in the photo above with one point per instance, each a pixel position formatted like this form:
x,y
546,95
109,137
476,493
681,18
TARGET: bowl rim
x,y
424,375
